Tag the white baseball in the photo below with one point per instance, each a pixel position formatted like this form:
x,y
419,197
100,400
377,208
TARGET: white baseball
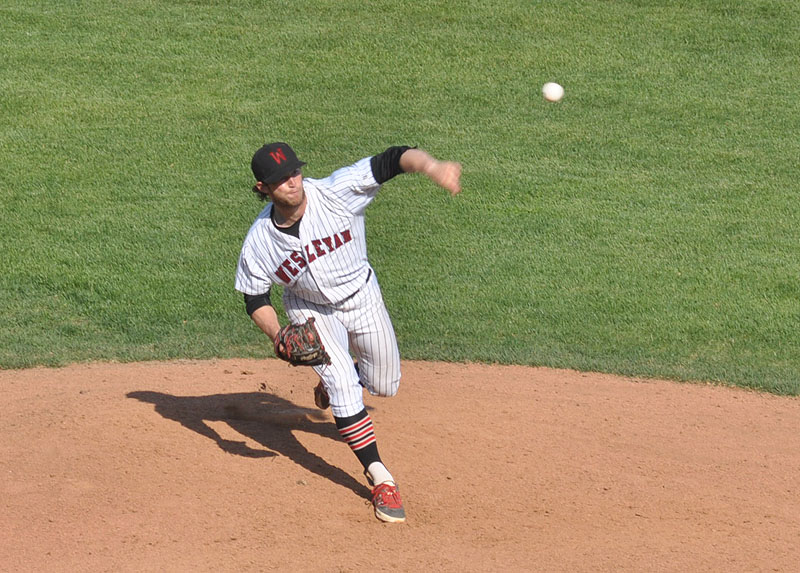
x,y
552,91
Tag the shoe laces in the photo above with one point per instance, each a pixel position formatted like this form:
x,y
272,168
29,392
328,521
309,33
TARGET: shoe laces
x,y
386,495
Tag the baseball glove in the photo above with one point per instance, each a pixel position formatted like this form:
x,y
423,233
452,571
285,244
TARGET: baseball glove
x,y
300,345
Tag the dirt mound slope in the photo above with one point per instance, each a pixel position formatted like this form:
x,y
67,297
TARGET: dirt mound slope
x,y
227,466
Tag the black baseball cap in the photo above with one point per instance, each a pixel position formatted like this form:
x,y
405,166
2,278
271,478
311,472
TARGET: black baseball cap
x,y
274,161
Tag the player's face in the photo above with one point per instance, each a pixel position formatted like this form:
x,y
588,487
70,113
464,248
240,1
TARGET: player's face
x,y
288,192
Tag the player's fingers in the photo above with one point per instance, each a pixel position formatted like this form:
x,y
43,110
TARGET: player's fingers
x,y
453,178
445,175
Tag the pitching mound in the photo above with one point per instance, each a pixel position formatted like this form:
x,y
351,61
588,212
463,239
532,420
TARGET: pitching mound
x,y
227,466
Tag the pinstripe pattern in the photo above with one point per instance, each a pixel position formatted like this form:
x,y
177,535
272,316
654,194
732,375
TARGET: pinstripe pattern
x,y
361,324
328,262
326,275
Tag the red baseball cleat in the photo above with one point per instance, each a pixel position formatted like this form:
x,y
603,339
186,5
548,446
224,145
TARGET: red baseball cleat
x,y
387,502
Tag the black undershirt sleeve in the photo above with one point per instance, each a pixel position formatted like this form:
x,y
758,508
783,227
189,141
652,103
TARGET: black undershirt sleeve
x,y
387,164
253,302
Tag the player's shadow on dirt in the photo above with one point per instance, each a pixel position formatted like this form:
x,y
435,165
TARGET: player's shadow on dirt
x,y
263,417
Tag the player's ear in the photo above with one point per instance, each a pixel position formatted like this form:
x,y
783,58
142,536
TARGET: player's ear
x,y
261,190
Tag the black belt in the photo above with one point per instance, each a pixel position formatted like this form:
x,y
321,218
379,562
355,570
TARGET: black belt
x,y
358,290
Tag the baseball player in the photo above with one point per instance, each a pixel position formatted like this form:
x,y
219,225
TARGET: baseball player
x,y
310,239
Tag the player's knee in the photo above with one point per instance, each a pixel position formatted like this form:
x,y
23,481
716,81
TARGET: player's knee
x,y
388,388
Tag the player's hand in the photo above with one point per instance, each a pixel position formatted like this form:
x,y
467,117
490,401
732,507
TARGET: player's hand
x,y
446,174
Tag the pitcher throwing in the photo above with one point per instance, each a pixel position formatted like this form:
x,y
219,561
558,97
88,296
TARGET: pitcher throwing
x,y
310,238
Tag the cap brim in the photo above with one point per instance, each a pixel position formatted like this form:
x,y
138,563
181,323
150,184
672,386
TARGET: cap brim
x,y
286,170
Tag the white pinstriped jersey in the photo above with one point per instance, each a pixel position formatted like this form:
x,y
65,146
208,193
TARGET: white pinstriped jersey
x,y
328,262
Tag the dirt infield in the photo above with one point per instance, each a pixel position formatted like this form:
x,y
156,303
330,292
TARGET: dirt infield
x,y
227,466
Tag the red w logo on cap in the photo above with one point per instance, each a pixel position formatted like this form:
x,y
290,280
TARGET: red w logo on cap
x,y
278,156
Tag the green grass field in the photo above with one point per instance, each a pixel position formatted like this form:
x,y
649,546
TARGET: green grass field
x,y
648,224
